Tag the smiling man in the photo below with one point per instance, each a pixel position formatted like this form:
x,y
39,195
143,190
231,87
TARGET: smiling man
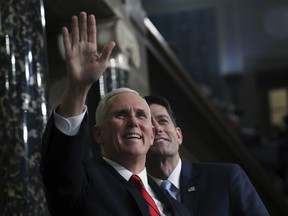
x,y
117,184
204,188
124,129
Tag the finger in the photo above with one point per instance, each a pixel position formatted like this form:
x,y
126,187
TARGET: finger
x,y
74,30
83,26
66,40
106,52
92,31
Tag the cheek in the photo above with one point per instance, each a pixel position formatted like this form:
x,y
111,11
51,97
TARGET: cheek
x,y
173,135
149,128
111,131
114,126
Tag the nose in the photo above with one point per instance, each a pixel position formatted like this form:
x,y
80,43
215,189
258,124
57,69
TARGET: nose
x,y
132,121
157,126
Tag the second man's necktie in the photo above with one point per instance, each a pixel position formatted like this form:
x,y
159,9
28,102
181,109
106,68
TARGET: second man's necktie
x,y
137,182
169,188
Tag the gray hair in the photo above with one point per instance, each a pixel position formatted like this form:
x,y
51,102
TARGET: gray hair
x,y
100,110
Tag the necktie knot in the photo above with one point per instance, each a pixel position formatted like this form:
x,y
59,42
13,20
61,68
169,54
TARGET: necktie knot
x,y
136,181
169,188
166,185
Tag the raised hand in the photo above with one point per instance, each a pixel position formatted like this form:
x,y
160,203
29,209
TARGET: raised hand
x,y
84,63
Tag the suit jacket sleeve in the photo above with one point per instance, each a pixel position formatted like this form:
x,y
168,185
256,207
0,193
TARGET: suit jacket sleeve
x,y
61,169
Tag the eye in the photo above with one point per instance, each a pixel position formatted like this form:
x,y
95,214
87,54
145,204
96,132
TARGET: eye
x,y
120,114
163,121
141,114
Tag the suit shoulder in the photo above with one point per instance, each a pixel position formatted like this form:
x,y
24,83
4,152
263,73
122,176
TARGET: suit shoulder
x,y
216,165
212,167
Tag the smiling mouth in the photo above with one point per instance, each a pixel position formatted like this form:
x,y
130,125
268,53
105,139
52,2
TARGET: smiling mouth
x,y
160,140
132,136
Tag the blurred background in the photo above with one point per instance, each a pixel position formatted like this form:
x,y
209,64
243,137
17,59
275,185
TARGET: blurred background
x,y
223,65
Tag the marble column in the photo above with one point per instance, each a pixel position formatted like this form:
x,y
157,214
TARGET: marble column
x,y
23,106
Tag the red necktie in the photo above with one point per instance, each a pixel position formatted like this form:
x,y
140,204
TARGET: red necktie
x,y
137,182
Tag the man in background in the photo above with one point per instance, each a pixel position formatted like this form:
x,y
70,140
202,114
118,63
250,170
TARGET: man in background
x,y
204,188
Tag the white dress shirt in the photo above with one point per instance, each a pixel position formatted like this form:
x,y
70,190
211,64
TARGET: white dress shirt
x,y
174,177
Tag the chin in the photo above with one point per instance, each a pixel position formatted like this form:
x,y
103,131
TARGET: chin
x,y
156,151
137,152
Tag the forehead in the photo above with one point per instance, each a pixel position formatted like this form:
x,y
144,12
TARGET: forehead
x,y
127,100
158,110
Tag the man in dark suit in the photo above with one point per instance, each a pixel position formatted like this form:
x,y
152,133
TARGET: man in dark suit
x,y
117,184
204,188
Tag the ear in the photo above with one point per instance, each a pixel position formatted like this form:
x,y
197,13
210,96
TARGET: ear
x,y
179,135
97,134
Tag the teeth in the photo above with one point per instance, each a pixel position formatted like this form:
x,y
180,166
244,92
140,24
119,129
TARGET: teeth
x,y
133,136
159,140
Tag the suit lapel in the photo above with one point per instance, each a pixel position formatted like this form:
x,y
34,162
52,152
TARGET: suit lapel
x,y
160,194
140,202
189,188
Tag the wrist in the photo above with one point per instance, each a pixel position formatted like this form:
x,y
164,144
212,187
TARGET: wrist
x,y
72,103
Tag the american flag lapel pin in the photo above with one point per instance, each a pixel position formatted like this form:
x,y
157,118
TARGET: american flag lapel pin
x,y
191,189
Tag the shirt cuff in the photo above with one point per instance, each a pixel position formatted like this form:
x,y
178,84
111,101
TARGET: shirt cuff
x,y
69,126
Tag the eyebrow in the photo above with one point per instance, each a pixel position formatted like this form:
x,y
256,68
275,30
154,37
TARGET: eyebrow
x,y
162,116
141,110
126,110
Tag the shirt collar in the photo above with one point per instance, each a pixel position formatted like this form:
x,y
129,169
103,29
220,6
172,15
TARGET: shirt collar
x,y
174,177
126,174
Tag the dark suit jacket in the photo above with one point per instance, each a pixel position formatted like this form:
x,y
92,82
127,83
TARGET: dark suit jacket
x,y
212,189
91,189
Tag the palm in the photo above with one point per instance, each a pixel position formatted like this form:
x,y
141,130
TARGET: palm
x,y
84,64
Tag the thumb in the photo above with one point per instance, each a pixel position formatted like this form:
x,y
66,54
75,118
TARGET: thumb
x,y
107,51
